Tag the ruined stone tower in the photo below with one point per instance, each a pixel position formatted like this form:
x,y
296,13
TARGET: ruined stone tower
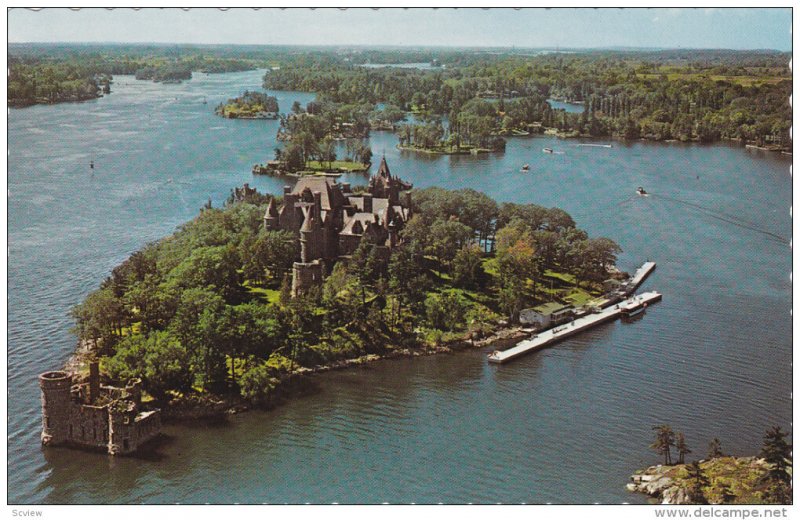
x,y
56,407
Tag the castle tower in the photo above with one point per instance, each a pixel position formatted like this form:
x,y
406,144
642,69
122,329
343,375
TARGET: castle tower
x,y
271,217
56,406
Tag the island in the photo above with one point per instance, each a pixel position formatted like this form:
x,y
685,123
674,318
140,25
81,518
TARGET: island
x,y
242,303
717,479
250,105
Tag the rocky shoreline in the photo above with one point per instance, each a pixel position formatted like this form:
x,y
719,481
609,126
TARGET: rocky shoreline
x,y
670,485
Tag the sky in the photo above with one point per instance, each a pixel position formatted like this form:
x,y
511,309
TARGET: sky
x,y
472,27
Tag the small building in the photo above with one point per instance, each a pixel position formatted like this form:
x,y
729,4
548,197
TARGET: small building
x,y
94,416
546,315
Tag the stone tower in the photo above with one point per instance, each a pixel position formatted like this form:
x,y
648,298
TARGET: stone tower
x,y
56,406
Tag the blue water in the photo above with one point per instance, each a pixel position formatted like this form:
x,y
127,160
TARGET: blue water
x,y
572,108
569,424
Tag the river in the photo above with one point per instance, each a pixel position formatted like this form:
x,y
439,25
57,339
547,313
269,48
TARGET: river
x,y
568,424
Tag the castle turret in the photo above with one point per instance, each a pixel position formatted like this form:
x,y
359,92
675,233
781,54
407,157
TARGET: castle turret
x,y
56,407
271,217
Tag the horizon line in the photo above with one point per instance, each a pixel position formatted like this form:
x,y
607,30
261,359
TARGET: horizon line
x,y
619,48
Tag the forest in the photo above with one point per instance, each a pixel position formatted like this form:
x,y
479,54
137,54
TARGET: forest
x,y
208,309
472,97
722,95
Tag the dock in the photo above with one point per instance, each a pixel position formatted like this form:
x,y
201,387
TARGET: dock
x,y
639,276
548,337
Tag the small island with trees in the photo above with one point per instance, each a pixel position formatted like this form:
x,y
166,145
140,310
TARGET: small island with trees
x,y
718,478
250,105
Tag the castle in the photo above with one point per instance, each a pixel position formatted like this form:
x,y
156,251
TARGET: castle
x,y
331,220
89,415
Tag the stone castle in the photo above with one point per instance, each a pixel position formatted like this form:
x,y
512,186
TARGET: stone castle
x,y
91,415
331,220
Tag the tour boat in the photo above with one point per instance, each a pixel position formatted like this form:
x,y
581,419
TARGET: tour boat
x,y
641,191
632,309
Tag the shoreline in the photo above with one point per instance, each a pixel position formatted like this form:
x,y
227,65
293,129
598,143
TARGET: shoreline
x,y
209,406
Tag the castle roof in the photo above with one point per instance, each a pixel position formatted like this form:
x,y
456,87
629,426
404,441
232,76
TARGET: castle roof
x,y
331,195
383,169
358,223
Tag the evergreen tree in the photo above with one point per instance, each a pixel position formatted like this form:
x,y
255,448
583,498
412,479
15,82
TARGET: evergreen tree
x,y
680,446
777,453
697,483
665,440
715,449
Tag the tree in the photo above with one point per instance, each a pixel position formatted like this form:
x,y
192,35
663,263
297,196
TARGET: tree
x,y
446,238
159,359
777,453
665,440
697,483
327,151
681,447
468,266
715,449
256,383
444,311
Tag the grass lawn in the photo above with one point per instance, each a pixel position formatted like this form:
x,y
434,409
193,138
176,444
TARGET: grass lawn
x,y
745,81
350,166
264,294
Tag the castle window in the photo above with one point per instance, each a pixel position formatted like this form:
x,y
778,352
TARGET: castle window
x,y
70,430
47,422
125,445
83,432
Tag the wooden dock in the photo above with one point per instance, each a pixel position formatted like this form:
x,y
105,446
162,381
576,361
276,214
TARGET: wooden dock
x,y
548,337
639,276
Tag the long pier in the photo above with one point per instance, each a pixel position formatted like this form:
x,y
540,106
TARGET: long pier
x,y
639,276
548,337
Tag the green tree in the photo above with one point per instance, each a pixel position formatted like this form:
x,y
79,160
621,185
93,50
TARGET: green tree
x,y
468,266
777,453
715,449
681,447
665,440
257,383
697,483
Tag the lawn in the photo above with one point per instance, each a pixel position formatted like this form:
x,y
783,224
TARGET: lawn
x,y
349,166
264,294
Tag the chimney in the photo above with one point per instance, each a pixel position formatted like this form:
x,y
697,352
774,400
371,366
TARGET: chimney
x,y
345,187
287,190
318,206
94,381
367,203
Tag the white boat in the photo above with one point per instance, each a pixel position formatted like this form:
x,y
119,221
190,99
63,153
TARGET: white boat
x,y
633,308
547,150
